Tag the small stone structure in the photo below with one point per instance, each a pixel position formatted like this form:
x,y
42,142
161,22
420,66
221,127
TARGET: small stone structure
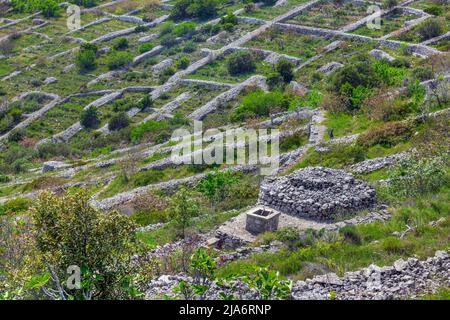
x,y
261,219
317,193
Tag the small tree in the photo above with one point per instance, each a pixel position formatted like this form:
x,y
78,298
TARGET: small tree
x,y
184,208
89,118
240,62
67,231
216,186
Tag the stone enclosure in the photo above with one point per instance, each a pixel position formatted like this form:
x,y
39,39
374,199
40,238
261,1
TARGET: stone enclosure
x,y
317,193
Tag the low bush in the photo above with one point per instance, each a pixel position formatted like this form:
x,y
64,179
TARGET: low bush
x,y
145,47
121,44
260,104
386,134
119,121
240,62
89,118
118,60
431,28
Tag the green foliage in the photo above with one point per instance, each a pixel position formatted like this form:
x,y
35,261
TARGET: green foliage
x,y
68,231
286,69
15,206
260,104
184,208
86,57
184,29
415,177
240,62
121,44
388,4
269,284
386,134
118,60
145,47
434,10
151,126
89,118
183,62
431,28
216,186
119,121
49,8
202,9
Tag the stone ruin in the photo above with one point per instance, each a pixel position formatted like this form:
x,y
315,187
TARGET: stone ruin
x,y
317,193
261,219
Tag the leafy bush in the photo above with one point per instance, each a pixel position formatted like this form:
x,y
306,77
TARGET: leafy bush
x,y
15,206
119,121
145,47
85,58
434,10
386,134
121,44
118,60
150,126
359,73
216,186
414,176
4,178
285,69
183,63
49,8
240,62
50,150
423,73
189,47
89,118
184,29
431,28
194,9
388,4
259,103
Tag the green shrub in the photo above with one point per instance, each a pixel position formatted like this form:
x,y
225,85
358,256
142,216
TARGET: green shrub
x,y
121,44
413,176
434,10
431,28
183,63
351,235
286,69
4,178
146,102
423,73
386,134
118,60
388,4
358,73
194,9
240,62
89,118
150,126
145,47
189,47
49,8
184,29
50,150
260,104
119,121
15,206
86,60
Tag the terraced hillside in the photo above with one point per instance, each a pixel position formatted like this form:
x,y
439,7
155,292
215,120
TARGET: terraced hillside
x,y
355,94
